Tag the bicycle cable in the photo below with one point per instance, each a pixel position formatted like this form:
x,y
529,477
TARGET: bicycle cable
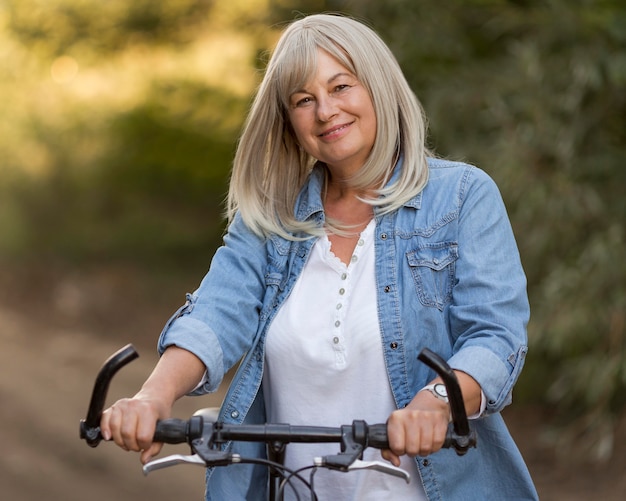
x,y
282,470
297,473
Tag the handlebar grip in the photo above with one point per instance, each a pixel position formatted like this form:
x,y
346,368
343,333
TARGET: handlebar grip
x,y
178,431
377,436
171,431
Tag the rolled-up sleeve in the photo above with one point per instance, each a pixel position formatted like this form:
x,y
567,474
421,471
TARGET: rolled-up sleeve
x,y
219,321
490,310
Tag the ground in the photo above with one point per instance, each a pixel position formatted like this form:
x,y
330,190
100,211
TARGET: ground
x,y
57,326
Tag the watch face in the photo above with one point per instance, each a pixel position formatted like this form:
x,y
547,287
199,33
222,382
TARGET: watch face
x,y
441,390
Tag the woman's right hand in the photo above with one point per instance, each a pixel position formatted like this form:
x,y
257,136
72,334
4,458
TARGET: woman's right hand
x,y
130,423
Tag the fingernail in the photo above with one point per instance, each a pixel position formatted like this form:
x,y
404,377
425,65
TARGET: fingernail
x,y
106,434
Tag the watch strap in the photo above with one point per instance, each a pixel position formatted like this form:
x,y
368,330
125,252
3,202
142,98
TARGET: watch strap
x,y
438,390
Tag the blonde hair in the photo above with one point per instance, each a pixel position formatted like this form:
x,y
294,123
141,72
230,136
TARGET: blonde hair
x,y
269,167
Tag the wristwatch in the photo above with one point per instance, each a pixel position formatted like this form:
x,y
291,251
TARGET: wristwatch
x,y
438,390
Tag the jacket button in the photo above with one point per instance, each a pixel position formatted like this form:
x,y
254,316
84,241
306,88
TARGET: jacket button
x,y
387,288
426,462
383,236
234,414
393,345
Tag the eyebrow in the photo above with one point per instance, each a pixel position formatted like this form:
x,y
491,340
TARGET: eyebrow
x,y
330,80
340,74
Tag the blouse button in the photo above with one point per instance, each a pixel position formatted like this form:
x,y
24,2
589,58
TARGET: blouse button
x,y
339,305
337,323
354,259
344,276
361,241
336,340
342,291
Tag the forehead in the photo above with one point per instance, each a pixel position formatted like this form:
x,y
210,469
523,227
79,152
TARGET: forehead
x,y
301,66
328,65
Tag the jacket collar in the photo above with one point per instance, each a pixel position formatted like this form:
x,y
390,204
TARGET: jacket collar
x,y
309,202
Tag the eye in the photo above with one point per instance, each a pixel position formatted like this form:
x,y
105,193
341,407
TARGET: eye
x,y
300,101
304,101
340,87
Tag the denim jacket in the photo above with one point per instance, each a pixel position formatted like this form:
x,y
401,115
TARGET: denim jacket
x,y
449,278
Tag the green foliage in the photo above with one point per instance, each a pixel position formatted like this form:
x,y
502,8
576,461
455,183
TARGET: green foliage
x,y
122,159
155,189
58,26
535,93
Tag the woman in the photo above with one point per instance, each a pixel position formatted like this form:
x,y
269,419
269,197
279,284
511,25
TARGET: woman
x,y
349,250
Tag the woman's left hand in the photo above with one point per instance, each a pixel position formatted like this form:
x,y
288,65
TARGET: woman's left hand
x,y
417,430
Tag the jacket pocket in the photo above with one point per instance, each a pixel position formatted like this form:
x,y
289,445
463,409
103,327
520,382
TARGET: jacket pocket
x,y
433,269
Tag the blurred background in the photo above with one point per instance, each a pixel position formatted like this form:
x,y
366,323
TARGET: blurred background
x,y
118,122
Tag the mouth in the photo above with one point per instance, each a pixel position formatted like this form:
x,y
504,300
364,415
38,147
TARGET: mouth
x,y
334,130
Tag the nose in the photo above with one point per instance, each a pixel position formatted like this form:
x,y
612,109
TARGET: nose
x,y
326,108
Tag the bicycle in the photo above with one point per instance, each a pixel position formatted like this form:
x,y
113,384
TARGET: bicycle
x,y
207,436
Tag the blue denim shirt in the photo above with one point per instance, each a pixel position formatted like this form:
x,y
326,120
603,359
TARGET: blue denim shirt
x,y
448,277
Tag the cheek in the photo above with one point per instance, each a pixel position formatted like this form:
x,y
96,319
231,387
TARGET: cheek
x,y
371,127
297,128
372,117
368,114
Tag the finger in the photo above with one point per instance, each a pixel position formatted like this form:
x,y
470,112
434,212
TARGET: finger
x,y
391,457
128,432
149,453
426,444
105,429
417,442
145,433
396,434
433,436
114,422
439,438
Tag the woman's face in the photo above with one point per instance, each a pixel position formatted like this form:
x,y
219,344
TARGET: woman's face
x,y
333,117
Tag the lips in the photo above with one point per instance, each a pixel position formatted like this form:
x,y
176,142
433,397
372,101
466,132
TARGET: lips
x,y
334,130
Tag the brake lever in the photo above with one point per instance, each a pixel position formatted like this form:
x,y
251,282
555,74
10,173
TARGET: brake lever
x,y
359,464
382,467
173,460
205,459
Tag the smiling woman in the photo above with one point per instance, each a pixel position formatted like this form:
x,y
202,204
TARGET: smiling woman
x,y
266,204
349,250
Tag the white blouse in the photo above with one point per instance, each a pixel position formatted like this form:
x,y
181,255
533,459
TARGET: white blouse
x,y
325,367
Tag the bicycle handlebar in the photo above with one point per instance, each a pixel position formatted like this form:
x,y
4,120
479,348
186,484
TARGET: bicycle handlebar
x,y
90,426
206,437
353,438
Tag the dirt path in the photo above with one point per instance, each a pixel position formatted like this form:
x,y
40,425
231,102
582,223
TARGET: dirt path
x,y
46,377
44,390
